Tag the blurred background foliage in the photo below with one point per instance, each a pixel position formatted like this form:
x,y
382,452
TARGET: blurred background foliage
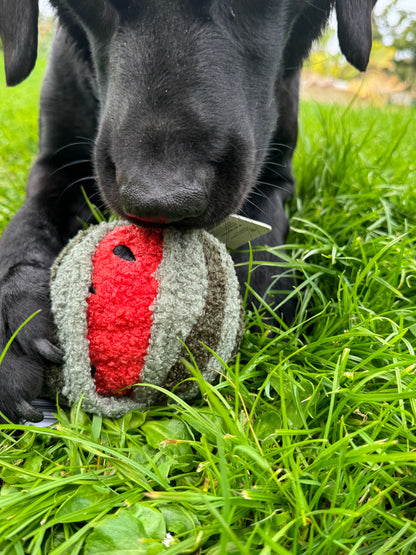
x,y
391,75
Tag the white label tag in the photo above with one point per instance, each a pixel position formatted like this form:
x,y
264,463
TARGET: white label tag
x,y
237,230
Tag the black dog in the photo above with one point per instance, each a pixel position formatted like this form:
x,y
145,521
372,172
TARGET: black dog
x,y
180,111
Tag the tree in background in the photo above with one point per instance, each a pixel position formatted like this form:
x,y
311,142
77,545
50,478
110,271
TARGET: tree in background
x,y
327,62
397,27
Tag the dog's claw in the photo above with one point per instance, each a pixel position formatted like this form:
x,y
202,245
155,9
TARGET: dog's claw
x,y
24,412
49,351
28,413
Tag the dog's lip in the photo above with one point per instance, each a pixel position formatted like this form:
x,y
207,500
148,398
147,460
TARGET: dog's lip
x,y
144,220
162,221
185,223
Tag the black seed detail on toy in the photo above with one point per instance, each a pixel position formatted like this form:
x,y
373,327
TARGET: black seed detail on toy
x,y
92,289
124,252
93,370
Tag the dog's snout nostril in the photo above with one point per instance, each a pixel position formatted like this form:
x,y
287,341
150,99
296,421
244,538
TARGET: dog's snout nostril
x,y
109,167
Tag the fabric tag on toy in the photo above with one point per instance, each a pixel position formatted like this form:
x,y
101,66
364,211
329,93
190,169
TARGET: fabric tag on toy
x,y
237,230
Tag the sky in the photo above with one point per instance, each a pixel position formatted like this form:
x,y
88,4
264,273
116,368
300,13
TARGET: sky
x,y
44,7
405,5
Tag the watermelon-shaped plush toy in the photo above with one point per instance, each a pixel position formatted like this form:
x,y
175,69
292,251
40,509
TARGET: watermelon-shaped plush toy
x,y
128,302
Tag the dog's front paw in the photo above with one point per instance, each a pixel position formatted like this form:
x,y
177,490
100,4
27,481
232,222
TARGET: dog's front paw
x,y
24,291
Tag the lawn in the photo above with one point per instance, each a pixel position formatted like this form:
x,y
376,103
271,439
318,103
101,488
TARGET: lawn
x,y
308,443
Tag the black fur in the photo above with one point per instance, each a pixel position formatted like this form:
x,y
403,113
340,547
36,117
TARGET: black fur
x,y
178,112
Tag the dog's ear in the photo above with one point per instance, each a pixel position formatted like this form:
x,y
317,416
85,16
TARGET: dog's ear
x,y
19,35
354,30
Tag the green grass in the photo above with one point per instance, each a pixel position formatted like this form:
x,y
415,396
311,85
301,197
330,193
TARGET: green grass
x,y
308,443
18,138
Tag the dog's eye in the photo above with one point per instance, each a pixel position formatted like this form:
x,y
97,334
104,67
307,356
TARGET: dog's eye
x,y
124,252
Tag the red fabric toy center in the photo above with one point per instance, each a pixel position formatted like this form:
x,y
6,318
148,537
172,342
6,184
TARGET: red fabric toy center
x,y
119,317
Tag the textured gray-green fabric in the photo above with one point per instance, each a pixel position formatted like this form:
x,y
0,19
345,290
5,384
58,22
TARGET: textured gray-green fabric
x,y
183,284
206,331
198,289
71,278
219,327
231,324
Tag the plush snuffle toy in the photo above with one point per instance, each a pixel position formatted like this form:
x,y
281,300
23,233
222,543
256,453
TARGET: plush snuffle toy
x,y
127,300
